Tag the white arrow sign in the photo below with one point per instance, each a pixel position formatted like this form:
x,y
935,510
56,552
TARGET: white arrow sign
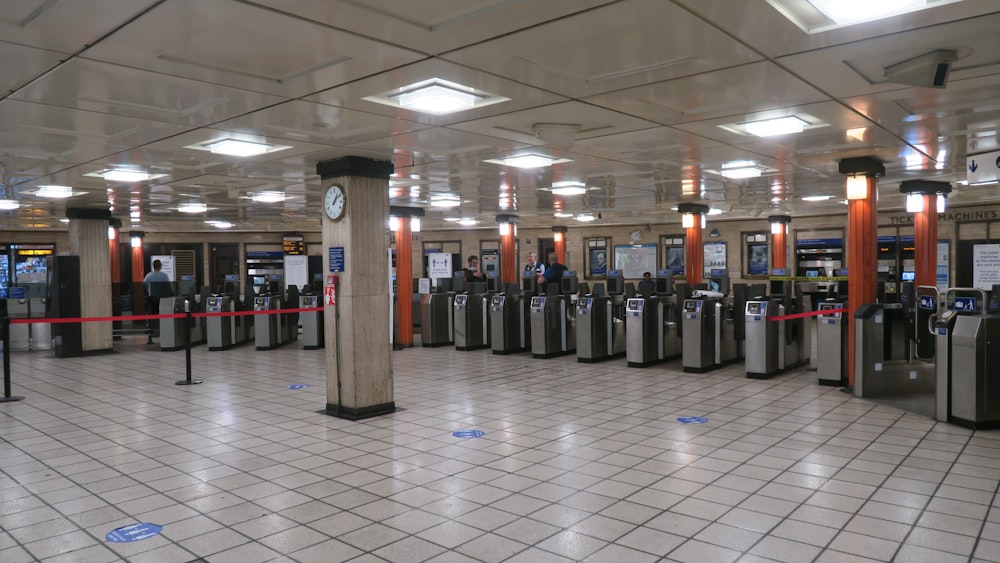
x,y
983,167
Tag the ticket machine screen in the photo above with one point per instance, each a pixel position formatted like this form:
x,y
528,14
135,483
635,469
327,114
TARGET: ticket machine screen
x,y
828,307
260,303
537,304
460,300
756,308
215,303
692,306
496,302
634,305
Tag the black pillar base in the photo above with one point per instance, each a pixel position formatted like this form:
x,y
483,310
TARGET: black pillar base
x,y
358,414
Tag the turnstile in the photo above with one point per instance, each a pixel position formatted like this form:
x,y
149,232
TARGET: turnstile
x,y
436,319
600,335
509,325
944,326
272,330
174,332
41,333
975,370
312,323
831,348
224,332
761,339
645,326
472,328
553,326
699,320
876,372
20,334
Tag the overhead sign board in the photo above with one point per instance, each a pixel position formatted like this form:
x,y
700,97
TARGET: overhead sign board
x,y
982,168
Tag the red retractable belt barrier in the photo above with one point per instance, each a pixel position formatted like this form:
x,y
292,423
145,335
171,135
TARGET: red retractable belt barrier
x,y
60,320
803,315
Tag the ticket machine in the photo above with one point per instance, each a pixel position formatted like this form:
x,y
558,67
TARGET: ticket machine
x,y
553,319
975,359
311,321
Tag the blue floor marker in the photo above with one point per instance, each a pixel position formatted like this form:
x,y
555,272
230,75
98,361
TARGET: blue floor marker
x,y
297,386
134,532
691,420
468,434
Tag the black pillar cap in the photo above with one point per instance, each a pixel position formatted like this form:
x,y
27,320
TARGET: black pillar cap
x,y
779,219
115,222
694,208
400,211
926,187
560,229
866,165
512,219
354,166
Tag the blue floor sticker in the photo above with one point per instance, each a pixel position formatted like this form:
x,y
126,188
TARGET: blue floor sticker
x,y
297,386
469,434
134,532
692,420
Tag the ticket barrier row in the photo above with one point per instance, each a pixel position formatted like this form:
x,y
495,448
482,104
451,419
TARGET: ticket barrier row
x,y
652,329
774,346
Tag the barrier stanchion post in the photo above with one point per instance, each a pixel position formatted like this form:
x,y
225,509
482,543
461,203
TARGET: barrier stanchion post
x,y
188,322
5,326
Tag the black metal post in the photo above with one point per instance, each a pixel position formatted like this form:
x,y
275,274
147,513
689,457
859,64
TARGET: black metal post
x,y
189,322
5,326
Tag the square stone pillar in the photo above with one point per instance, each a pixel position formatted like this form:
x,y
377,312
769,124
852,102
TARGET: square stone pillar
x,y
88,239
358,350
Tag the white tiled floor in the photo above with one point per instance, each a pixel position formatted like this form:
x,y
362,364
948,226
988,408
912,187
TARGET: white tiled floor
x,y
579,462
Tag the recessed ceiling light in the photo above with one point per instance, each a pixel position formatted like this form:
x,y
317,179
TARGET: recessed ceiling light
x,y
55,192
220,224
437,97
817,197
235,147
9,204
777,126
268,197
62,220
562,215
850,11
530,160
568,188
585,218
124,175
192,208
739,169
714,211
467,222
445,202
453,219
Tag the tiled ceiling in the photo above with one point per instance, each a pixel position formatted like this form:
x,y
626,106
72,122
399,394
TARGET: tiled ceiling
x,y
646,100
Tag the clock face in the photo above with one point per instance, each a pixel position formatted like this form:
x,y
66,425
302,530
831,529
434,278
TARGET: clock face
x,y
635,235
334,202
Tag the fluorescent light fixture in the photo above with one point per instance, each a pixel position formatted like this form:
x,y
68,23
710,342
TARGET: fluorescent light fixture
x,y
54,192
136,242
445,202
393,224
857,187
914,203
852,11
236,147
414,224
220,224
9,204
530,160
61,220
777,126
714,211
942,203
436,97
817,197
740,172
586,218
192,208
453,219
467,222
569,190
112,233
687,220
268,197
562,215
124,175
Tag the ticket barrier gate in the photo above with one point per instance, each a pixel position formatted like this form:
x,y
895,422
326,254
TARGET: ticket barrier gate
x,y
312,322
472,323
709,338
20,334
971,367
436,319
600,329
272,330
881,370
553,325
831,350
775,346
224,332
651,331
510,327
174,332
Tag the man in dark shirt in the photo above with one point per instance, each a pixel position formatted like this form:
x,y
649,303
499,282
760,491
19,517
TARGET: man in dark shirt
x,y
472,272
552,274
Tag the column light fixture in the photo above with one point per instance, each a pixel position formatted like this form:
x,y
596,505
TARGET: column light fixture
x,y
779,224
690,212
136,238
915,191
858,170
508,224
414,213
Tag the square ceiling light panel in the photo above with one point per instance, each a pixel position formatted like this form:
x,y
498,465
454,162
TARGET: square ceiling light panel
x,y
530,160
126,175
817,16
775,126
237,147
436,97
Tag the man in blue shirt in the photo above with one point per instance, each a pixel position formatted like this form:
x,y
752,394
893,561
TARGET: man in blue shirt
x,y
552,274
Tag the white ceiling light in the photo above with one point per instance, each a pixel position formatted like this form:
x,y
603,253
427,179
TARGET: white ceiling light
x,y
9,204
530,160
453,219
817,197
467,222
568,188
778,126
739,169
268,197
586,218
445,202
437,97
220,224
851,11
192,208
714,211
236,147
562,215
124,175
55,192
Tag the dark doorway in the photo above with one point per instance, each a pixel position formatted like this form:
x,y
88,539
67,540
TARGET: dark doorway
x,y
545,246
225,260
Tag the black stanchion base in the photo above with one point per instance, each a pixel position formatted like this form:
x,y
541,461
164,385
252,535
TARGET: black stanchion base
x,y
186,382
10,399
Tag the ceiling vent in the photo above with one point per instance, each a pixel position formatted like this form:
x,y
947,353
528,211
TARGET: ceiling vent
x,y
561,135
929,70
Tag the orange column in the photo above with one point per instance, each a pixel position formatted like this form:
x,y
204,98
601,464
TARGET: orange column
x,y
509,267
404,282
138,290
925,228
779,240
862,240
559,235
694,254
116,261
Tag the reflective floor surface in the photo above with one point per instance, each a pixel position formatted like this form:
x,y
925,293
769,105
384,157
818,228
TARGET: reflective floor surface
x,y
577,462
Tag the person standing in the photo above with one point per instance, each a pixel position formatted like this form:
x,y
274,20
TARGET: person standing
x,y
472,272
157,284
533,266
552,274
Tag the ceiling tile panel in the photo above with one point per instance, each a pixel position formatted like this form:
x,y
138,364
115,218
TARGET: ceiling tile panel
x,y
23,64
65,26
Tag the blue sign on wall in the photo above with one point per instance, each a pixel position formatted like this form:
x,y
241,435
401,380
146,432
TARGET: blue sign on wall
x,y
692,420
134,532
468,434
16,293
296,386
336,258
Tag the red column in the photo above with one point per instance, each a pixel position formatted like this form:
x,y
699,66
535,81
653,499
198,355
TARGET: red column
x,y
138,290
862,256
694,254
404,282
509,267
925,227
779,247
559,236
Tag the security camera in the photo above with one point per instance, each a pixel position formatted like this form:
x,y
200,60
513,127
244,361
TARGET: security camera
x,y
929,70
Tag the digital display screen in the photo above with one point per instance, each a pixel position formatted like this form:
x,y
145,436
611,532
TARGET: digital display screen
x,y
259,280
537,301
498,300
585,303
634,304
461,299
691,306
753,308
715,286
909,276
